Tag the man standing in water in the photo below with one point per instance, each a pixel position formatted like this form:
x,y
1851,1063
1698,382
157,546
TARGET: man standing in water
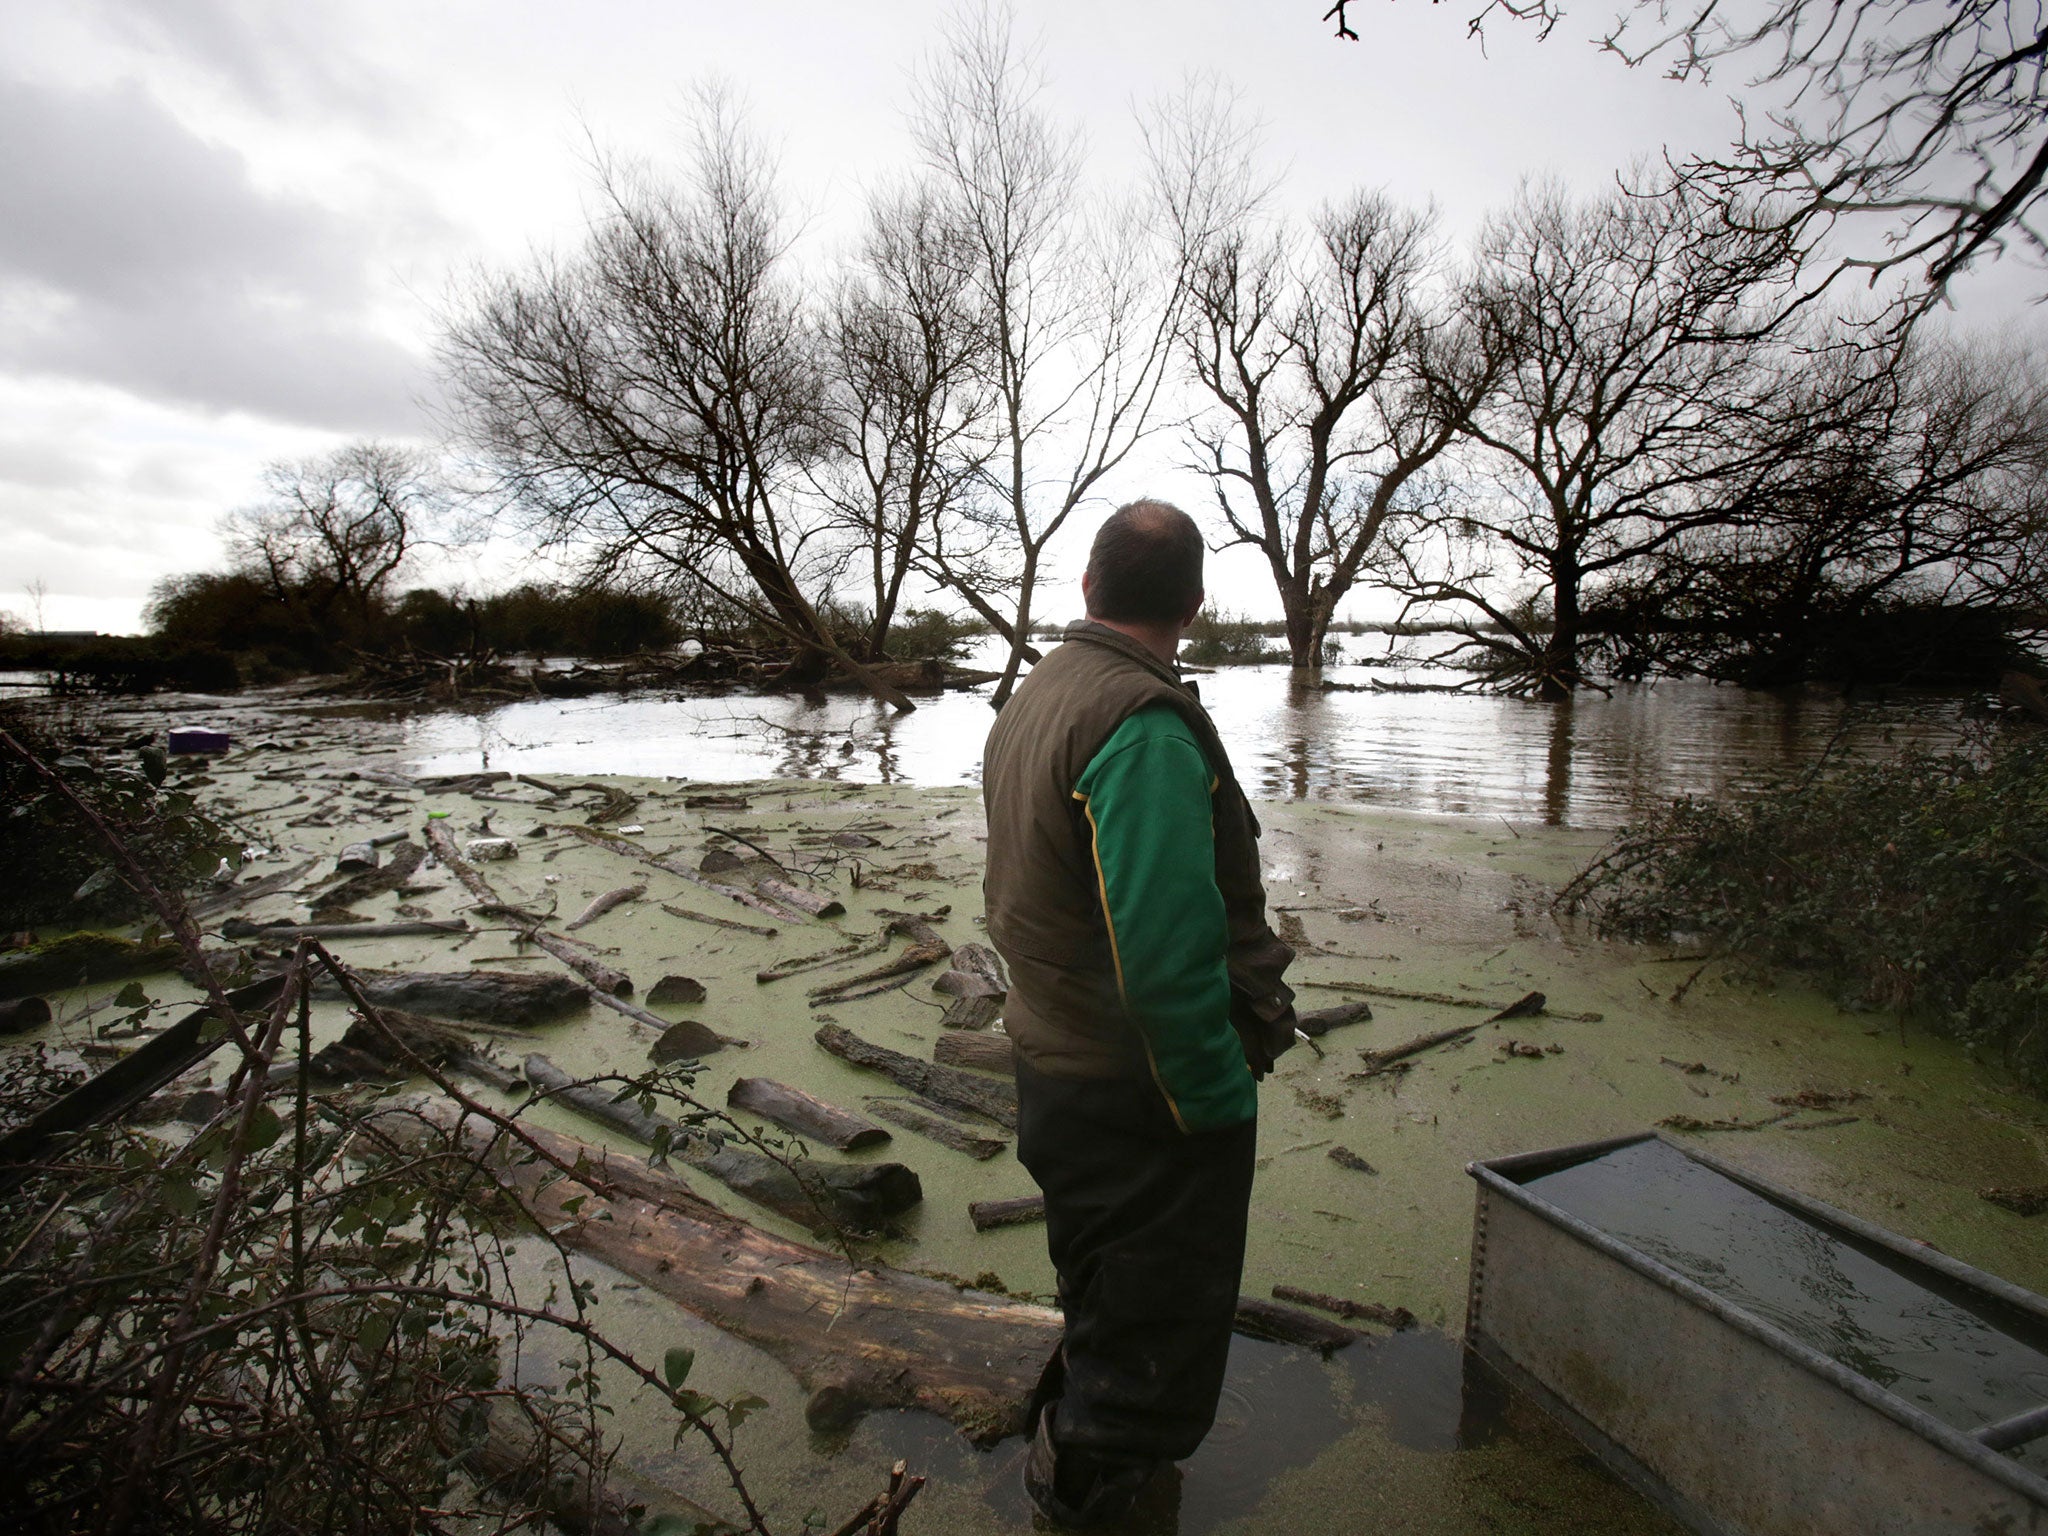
x,y
1145,1001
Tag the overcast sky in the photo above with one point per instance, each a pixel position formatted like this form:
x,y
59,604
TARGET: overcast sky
x,y
229,225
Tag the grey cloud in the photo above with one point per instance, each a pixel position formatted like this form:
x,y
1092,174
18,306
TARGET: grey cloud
x,y
175,277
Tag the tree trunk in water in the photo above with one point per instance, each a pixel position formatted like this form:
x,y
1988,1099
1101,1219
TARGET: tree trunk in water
x,y
874,1338
1022,633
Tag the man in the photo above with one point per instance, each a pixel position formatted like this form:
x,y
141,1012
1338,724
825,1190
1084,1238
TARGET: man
x,y
1145,1000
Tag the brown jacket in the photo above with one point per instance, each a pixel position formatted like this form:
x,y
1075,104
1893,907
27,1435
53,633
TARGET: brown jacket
x,y
1044,911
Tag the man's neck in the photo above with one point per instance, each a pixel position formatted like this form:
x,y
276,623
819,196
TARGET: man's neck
x,y
1162,640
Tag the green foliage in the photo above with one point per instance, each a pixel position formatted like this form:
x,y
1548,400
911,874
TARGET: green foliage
x,y
1918,884
930,634
58,867
121,663
1222,639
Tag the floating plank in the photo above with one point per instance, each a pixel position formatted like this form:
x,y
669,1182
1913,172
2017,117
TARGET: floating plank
x,y
990,1214
947,1133
984,1053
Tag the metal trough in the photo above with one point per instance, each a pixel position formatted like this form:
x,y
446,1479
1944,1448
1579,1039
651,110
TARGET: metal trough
x,y
1754,1361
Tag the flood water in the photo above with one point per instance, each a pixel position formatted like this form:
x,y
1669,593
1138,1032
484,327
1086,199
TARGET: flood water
x,y
1936,1345
1592,762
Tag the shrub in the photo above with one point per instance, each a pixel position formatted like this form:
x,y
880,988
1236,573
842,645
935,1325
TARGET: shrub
x,y
929,634
1222,639
1918,884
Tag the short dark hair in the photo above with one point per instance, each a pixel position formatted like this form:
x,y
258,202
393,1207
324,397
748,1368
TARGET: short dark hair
x,y
1145,566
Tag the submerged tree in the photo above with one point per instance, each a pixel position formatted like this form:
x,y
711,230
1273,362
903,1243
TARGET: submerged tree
x,y
657,401
1077,302
1637,362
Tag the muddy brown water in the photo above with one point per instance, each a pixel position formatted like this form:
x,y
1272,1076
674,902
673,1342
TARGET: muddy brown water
x,y
1593,762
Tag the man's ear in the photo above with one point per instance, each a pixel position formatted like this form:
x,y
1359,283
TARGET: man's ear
x,y
1087,590
1190,616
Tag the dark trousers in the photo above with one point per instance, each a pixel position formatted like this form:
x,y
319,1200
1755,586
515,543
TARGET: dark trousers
x,y
1145,1225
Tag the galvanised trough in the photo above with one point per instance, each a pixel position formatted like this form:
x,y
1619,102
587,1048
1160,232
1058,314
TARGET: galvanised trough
x,y
1758,1363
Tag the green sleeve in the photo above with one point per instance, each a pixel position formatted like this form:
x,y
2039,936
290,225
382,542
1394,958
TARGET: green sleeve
x,y
1147,798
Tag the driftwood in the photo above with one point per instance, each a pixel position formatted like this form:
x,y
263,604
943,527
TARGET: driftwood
x,y
990,1214
676,990
356,857
241,928
405,859
809,1117
80,958
971,1013
687,1040
855,1338
1526,1006
818,1195
1356,1311
203,907
838,954
717,922
601,976
985,1053
784,894
18,1014
599,905
1377,1062
950,1086
977,971
613,1505
1344,1157
926,949
628,848
947,1133
486,997
1277,1324
2021,1199
1320,1021
128,1081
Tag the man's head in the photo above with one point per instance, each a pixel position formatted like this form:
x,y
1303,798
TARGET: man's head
x,y
1145,567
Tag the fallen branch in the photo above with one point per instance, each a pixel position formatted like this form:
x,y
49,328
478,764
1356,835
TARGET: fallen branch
x,y
990,1214
1357,1311
718,922
601,976
627,848
599,905
947,1133
806,1115
949,1086
1445,999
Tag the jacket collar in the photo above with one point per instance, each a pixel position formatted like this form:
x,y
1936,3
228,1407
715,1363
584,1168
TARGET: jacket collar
x,y
1115,640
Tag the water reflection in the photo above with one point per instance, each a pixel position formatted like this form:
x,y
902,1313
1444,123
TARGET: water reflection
x,y
1592,761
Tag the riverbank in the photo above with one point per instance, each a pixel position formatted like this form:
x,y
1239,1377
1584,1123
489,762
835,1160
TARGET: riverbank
x,y
1901,1129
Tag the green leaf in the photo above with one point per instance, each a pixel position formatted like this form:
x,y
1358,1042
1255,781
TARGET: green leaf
x,y
741,1408
675,1365
264,1128
132,996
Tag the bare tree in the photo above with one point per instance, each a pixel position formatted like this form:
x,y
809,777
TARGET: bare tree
x,y
336,529
1636,366
657,402
909,399
1928,123
1338,379
1077,300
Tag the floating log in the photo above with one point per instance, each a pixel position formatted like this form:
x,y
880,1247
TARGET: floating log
x,y
1357,1311
984,1053
241,928
971,1013
2021,1199
1317,1022
599,905
838,954
784,894
990,1214
632,850
128,1081
947,1133
1276,1324
950,1086
1527,1006
672,990
355,858
1448,1000
593,970
809,1117
1377,1062
487,997
717,922
79,959
19,1014
926,949
688,1040
856,1339
813,1194
405,859
977,971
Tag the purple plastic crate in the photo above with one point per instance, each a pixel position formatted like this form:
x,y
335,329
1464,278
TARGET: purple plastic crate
x,y
198,738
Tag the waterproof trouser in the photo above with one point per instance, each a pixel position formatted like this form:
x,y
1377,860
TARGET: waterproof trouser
x,y
1145,1224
